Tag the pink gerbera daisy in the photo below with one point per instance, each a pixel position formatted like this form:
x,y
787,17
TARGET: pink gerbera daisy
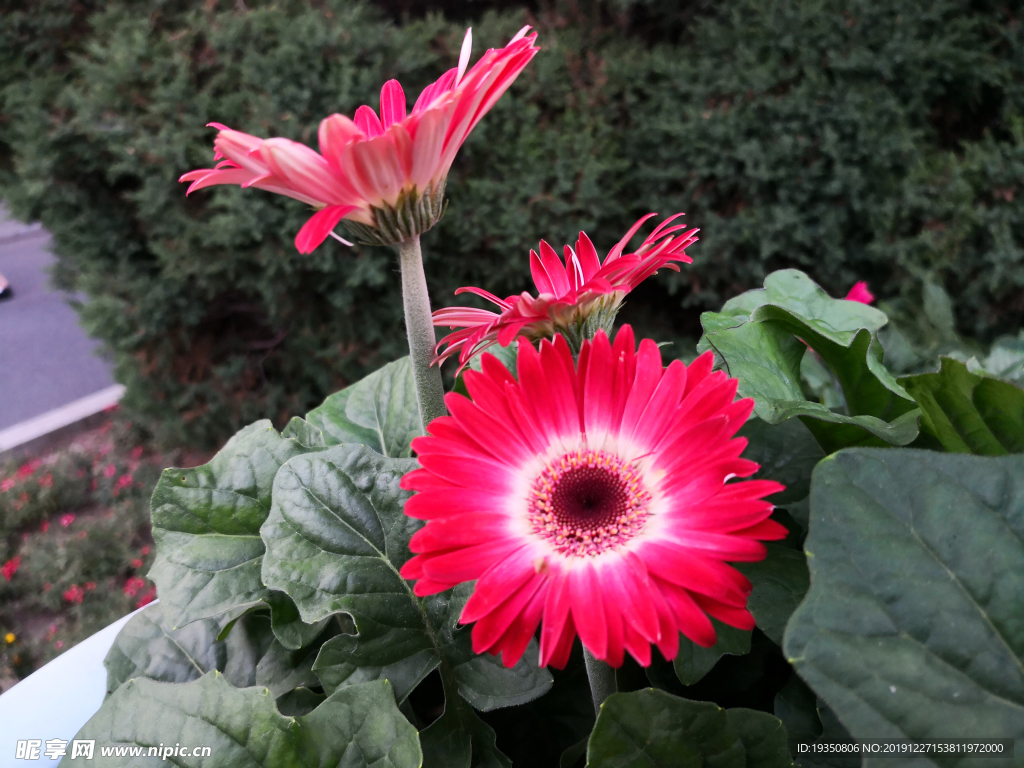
x,y
593,497
574,298
384,174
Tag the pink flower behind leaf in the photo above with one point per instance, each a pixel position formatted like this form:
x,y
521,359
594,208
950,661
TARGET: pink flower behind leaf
x,y
7,484
590,497
133,585
11,567
109,471
74,595
860,293
370,162
67,519
571,296
147,597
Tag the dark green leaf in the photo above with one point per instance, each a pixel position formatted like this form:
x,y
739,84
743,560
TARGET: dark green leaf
x,y
401,655
460,739
289,628
380,412
780,582
305,434
484,681
695,661
763,737
654,729
357,726
249,655
807,719
787,453
206,524
912,627
299,701
963,412
336,538
760,336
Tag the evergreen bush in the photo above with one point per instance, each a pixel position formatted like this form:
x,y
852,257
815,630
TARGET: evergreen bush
x,y
856,140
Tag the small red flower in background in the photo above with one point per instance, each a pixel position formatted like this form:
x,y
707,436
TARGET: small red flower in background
x,y
569,294
122,482
860,293
90,585
593,496
60,643
7,484
46,481
11,567
136,563
145,550
21,501
67,519
28,468
133,585
148,597
369,162
137,452
45,526
47,587
109,471
74,594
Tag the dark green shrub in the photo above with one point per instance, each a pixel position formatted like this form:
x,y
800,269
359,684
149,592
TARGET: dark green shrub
x,y
865,140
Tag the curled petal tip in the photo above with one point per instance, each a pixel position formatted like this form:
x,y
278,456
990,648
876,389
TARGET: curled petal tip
x,y
218,126
520,34
467,48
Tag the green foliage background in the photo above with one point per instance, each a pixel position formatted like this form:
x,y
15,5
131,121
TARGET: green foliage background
x,y
864,139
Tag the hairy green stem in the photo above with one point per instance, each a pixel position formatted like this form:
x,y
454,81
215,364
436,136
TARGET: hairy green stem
x,y
602,679
420,327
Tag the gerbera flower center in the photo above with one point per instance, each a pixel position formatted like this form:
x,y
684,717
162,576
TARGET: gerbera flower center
x,y
587,502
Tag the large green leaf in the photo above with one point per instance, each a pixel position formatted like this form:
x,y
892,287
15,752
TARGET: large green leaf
x,y
336,539
249,655
780,582
964,412
761,336
206,524
380,412
913,625
654,729
358,726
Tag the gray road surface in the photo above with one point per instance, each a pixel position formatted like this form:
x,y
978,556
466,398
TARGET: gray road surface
x,y
46,360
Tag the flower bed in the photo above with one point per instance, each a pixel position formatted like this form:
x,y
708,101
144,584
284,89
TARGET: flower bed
x,y
75,544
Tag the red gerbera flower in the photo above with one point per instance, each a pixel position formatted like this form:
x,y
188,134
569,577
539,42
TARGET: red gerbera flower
x,y
592,496
573,298
370,162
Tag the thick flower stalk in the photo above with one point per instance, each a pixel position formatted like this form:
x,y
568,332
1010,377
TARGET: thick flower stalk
x,y
591,497
575,297
383,174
